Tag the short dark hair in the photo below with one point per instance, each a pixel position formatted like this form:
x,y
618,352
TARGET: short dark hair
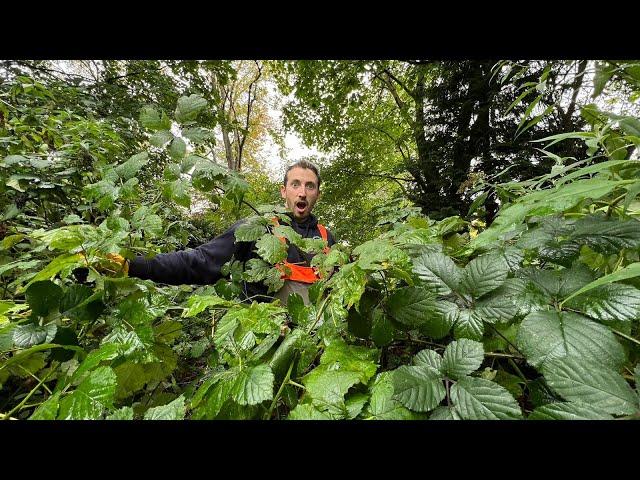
x,y
302,164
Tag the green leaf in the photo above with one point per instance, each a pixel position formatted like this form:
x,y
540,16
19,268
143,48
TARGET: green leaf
x,y
253,385
171,172
630,271
462,357
199,347
7,267
198,303
177,149
379,254
418,388
104,192
131,378
91,398
130,190
106,352
273,280
438,272
213,393
544,336
545,202
428,358
412,306
13,159
132,166
43,297
348,285
440,323
151,119
284,354
609,303
340,356
512,383
11,211
606,235
11,240
568,411
602,75
382,330
327,388
235,188
79,302
67,238
285,231
178,191
504,303
161,138
480,399
256,270
171,411
445,413
25,336
249,232
630,126
47,410
484,274
151,225
580,380
297,310
189,107
468,325
382,405
306,411
557,284
197,134
168,331
124,413
271,249
65,262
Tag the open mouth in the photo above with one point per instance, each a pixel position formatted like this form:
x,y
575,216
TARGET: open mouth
x,y
301,206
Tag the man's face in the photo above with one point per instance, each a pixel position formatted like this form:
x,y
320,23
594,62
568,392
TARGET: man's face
x,y
301,192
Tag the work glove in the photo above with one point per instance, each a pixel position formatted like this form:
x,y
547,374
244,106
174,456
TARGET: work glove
x,y
113,264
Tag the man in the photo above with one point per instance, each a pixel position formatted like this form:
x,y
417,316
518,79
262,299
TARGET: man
x,y
203,265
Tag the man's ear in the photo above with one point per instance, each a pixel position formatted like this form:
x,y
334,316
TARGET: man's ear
x,y
282,191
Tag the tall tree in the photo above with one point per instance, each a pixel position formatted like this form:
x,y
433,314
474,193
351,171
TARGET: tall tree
x,y
439,121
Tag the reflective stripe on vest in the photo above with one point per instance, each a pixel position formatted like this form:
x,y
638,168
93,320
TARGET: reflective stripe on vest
x,y
299,273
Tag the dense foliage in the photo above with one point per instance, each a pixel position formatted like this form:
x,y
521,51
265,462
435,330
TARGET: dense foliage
x,y
534,317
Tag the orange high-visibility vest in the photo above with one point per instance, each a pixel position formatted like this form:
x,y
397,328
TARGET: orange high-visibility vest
x,y
299,273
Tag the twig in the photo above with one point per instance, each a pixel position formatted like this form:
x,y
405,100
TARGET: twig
x,y
631,339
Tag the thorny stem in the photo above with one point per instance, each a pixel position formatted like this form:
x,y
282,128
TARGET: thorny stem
x,y
297,384
503,355
24,400
36,378
282,385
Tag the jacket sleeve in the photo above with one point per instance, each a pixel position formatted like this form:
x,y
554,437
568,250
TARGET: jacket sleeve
x,y
201,265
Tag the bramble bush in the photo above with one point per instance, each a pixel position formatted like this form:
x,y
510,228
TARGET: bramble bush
x,y
534,317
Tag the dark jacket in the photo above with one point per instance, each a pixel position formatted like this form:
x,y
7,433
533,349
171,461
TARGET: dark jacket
x,y
202,265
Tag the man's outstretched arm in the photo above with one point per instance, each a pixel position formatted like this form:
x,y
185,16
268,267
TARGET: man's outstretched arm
x,y
198,266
